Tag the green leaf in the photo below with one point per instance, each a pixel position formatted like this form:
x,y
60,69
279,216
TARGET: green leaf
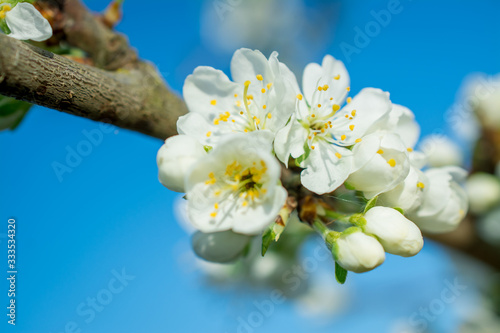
x,y
267,238
12,112
340,273
370,204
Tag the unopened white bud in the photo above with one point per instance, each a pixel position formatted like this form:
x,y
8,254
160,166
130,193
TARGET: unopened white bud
x,y
175,158
357,252
396,233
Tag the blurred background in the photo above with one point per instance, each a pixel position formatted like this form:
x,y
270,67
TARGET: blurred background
x,y
100,247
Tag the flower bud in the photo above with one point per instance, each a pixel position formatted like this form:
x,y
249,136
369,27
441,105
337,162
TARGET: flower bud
x,y
175,158
221,247
484,192
396,233
357,252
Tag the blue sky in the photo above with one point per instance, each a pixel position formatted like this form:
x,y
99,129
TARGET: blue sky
x,y
110,214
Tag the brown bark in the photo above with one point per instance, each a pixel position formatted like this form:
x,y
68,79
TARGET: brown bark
x,y
120,89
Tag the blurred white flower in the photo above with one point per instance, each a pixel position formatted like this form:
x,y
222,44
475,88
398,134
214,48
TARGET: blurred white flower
x,y
261,98
235,187
484,192
396,233
219,247
445,201
357,252
441,151
25,22
489,227
483,95
175,158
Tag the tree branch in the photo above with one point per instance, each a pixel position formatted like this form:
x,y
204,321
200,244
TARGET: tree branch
x,y
125,92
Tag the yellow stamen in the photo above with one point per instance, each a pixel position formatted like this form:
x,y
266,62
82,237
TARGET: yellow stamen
x,y
343,137
312,147
263,90
338,155
351,127
335,107
358,140
213,214
421,185
299,96
319,105
247,83
269,116
208,134
336,77
409,149
213,102
349,99
392,162
269,85
259,77
353,113
380,151
264,106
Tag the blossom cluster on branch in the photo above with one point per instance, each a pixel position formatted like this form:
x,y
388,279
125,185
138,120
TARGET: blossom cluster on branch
x,y
240,133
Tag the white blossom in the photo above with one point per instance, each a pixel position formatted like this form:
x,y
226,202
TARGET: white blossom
x,y
440,151
380,163
320,131
407,195
236,186
25,22
357,252
396,233
261,98
445,201
175,158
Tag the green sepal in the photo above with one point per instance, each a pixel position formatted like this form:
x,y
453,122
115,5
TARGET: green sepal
x,y
399,210
370,204
340,273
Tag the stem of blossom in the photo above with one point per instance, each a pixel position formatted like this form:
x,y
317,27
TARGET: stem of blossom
x,y
337,216
328,235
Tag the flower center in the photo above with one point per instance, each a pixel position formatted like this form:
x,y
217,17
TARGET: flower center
x,y
242,184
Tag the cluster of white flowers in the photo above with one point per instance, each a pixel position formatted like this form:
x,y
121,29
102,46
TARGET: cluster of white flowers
x,y
24,21
227,161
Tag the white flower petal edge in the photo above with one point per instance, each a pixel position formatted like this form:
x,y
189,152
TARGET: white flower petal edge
x,y
380,163
236,186
408,195
221,247
25,22
175,158
262,97
396,233
445,201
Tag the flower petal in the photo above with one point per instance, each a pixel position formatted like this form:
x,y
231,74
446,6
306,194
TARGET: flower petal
x,y
210,92
333,73
324,171
25,22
